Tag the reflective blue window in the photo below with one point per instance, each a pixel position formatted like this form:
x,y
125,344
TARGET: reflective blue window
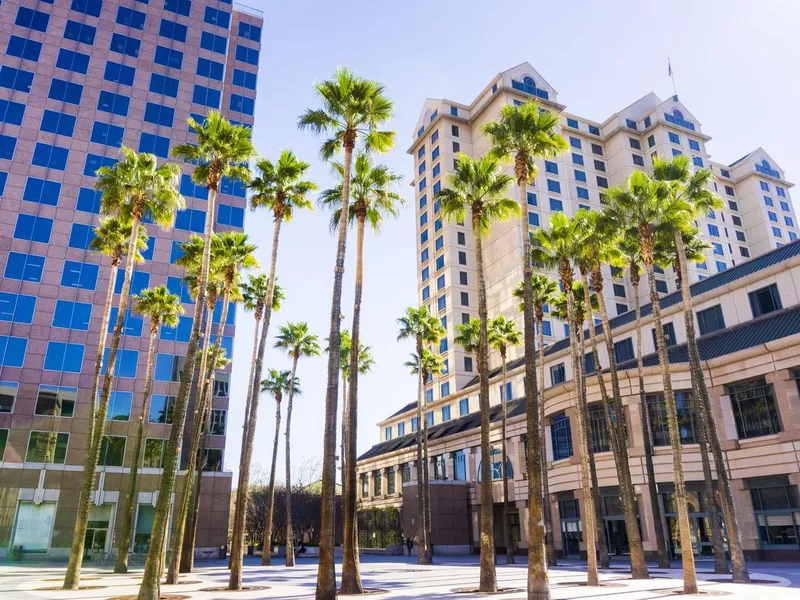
x,y
175,252
426,293
674,138
154,144
167,368
776,231
58,123
177,286
114,103
132,324
583,193
3,180
80,32
118,73
191,189
713,230
553,186
233,187
214,16
32,228
191,220
140,280
531,198
551,167
24,48
64,357
213,70
575,142
226,344
16,79
88,7
65,91
124,365
556,205
772,216
147,254
594,130
79,275
172,30
81,236
638,160
131,18
247,55
12,351
17,308
439,262
159,114
49,156
42,191
244,105
168,57
72,315
206,96
230,215
108,135
244,79
215,43
781,191
572,123
7,146
32,19
161,84
181,7
694,145
444,390
718,250
180,333
697,161
24,267
77,62
94,162
533,219
125,45
250,32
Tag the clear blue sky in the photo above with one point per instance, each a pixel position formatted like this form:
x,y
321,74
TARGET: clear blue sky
x,y
736,69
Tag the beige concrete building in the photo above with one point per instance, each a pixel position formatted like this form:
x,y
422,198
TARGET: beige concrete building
x,y
748,319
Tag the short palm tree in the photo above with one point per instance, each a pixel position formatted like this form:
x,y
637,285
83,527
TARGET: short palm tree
x,y
353,109
371,199
132,189
297,342
276,383
111,238
543,291
280,187
476,191
645,204
418,324
163,309
525,134
504,333
558,246
693,188
231,254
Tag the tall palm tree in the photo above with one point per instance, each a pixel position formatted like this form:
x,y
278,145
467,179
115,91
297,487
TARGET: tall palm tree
x,y
231,253
693,188
599,247
544,292
298,342
371,199
419,325
525,134
476,191
219,151
352,107
163,309
276,383
133,188
111,238
502,334
644,204
281,188
558,246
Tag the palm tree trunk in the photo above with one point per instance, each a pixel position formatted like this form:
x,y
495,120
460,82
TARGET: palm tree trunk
x,y
124,542
326,574
583,441
181,509
72,578
510,549
266,553
288,434
687,552
740,572
426,484
597,502
423,558
550,547
151,580
247,408
538,582
343,461
240,512
615,422
488,575
655,507
351,577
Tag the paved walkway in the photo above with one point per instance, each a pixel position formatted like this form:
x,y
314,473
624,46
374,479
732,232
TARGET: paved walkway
x,y
400,577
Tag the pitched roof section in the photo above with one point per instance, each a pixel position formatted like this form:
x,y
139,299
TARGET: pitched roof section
x,y
754,333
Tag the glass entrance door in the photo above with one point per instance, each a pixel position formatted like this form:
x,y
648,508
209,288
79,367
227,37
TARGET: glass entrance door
x,y
97,531
616,537
34,525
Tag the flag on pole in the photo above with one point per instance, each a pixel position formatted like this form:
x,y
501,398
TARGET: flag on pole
x,y
669,67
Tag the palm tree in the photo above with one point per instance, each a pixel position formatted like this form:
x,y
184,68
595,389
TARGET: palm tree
x,y
693,188
631,251
352,107
277,383
423,328
559,246
281,188
476,190
598,247
296,340
371,200
163,309
231,253
544,292
644,204
133,188
502,334
525,134
220,151
111,238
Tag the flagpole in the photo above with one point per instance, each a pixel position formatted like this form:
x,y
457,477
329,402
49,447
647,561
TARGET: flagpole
x,y
672,76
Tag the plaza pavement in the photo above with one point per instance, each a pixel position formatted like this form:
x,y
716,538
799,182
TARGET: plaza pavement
x,y
400,577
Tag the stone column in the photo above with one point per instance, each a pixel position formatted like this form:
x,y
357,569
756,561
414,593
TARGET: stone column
x,y
468,460
385,482
523,520
398,480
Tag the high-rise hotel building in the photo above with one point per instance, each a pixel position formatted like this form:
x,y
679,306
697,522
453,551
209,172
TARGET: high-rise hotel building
x,y
747,313
79,79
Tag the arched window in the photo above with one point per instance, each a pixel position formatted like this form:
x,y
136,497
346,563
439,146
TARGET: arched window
x,y
678,114
529,84
497,466
765,164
